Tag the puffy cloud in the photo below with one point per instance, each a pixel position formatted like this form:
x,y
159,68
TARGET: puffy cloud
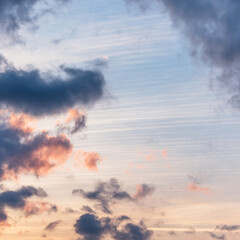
x,y
18,199
90,226
90,160
29,92
30,154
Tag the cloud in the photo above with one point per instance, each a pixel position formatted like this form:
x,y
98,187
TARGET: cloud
x,y
192,187
228,227
75,122
90,226
18,199
87,209
51,226
29,92
22,153
143,190
106,193
16,13
37,207
90,160
219,237
214,33
101,62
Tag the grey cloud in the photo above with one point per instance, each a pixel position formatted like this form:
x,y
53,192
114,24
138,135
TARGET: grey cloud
x,y
90,226
213,30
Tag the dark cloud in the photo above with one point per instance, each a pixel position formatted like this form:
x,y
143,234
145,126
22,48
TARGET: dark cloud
x,y
87,209
228,227
17,199
31,93
219,237
15,13
213,30
104,194
51,226
90,226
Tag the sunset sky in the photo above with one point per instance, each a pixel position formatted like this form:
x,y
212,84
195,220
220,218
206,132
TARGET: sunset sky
x,y
120,119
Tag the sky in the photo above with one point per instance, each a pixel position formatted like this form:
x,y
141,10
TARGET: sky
x,y
119,119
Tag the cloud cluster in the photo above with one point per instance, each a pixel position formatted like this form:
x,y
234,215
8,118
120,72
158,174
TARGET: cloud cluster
x,y
90,226
18,199
106,193
213,30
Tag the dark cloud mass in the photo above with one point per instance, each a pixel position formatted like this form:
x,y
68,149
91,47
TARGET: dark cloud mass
x,y
29,92
106,193
90,226
212,28
17,199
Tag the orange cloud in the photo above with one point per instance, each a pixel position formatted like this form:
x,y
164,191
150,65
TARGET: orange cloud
x,y
90,160
33,208
38,155
23,122
192,187
143,190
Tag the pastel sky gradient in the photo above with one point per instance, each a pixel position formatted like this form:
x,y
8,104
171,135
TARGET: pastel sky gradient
x,y
163,128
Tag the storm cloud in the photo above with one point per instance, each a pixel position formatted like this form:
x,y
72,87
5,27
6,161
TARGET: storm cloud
x,y
90,226
29,92
212,28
